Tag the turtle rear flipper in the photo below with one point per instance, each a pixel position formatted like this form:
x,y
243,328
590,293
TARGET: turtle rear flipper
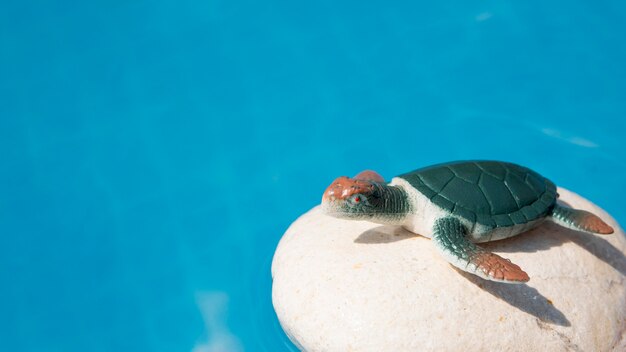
x,y
580,220
450,238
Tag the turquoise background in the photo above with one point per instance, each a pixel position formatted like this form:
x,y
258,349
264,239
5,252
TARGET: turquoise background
x,y
152,153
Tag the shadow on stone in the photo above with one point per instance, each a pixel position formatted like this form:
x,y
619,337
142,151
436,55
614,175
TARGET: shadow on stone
x,y
522,297
564,203
384,234
600,248
550,235
542,238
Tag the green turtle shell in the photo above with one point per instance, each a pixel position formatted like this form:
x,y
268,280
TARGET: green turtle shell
x,y
490,193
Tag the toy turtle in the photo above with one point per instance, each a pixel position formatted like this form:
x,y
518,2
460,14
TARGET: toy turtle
x,y
459,204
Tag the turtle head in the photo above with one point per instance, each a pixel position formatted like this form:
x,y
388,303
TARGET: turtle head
x,y
349,198
358,198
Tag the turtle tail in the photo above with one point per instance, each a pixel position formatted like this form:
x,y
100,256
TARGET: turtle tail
x,y
580,220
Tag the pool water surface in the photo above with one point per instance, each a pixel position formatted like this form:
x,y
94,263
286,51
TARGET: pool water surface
x,y
153,153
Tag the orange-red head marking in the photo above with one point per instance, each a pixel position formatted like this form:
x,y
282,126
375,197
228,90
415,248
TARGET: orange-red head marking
x,y
344,188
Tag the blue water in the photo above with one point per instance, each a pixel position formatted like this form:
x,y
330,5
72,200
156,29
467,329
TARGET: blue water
x,y
153,153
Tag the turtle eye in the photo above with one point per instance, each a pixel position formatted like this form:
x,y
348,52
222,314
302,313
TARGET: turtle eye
x,y
356,199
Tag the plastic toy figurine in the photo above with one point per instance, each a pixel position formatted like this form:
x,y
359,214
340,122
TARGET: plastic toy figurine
x,y
459,204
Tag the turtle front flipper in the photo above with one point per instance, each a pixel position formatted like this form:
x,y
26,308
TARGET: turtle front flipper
x,y
580,220
449,236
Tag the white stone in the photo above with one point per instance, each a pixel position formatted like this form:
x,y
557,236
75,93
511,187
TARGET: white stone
x,y
344,285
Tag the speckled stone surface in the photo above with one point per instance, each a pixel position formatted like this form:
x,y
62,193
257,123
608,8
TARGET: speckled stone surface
x,y
357,286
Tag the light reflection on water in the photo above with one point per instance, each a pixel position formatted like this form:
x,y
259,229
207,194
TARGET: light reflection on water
x,y
214,308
